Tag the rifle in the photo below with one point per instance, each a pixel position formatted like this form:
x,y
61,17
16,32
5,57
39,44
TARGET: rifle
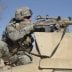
x,y
47,21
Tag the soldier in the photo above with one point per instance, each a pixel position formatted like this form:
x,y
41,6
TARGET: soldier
x,y
18,37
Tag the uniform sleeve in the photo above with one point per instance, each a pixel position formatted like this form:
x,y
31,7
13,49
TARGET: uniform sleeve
x,y
28,28
15,34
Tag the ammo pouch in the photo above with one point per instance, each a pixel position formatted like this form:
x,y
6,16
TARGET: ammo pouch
x,y
26,43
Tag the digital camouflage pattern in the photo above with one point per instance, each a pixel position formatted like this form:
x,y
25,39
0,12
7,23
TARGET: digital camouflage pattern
x,y
23,12
4,51
18,30
18,37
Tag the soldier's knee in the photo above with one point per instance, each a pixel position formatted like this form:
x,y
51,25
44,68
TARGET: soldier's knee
x,y
24,59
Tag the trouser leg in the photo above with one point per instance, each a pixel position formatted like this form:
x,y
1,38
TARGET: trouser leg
x,y
24,59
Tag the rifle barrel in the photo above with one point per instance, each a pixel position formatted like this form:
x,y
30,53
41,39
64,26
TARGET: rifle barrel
x,y
46,23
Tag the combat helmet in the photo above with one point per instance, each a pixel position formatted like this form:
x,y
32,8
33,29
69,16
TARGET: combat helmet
x,y
23,12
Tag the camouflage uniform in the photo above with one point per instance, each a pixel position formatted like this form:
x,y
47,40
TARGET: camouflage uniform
x,y
4,51
19,32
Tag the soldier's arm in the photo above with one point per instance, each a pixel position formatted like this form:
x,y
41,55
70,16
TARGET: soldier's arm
x,y
15,34
28,29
